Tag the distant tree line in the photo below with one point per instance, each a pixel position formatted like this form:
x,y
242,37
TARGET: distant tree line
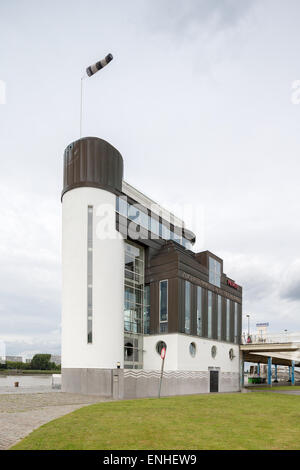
x,y
38,362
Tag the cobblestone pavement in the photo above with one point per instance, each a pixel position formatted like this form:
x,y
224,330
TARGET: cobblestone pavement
x,y
22,413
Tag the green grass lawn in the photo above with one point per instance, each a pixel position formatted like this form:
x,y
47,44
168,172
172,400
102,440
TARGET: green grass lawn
x,y
217,421
28,372
276,387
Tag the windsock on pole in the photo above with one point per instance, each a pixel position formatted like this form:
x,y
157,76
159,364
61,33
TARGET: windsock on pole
x,y
92,69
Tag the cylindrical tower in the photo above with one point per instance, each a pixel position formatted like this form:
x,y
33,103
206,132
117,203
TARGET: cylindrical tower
x,y
92,269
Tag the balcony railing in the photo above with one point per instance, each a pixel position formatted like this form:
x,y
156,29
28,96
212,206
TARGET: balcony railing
x,y
271,338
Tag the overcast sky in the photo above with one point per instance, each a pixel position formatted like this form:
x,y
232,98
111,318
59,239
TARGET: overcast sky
x,y
198,100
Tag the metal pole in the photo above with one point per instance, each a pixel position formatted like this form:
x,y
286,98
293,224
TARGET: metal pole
x,y
81,103
270,371
293,372
276,380
242,367
248,316
161,376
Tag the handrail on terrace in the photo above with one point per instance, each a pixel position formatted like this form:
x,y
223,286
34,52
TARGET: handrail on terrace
x,y
270,338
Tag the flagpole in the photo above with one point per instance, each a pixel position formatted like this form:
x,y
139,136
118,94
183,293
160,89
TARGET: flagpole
x,y
81,103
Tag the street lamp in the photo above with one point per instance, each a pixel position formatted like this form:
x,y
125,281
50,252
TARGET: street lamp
x,y
91,70
248,316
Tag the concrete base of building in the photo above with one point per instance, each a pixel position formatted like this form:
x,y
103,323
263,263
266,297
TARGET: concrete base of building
x,y
139,383
107,383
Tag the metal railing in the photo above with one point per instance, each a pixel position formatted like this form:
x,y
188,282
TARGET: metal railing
x,y
271,338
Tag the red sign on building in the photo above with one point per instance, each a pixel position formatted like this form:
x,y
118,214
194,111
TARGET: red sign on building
x,y
232,284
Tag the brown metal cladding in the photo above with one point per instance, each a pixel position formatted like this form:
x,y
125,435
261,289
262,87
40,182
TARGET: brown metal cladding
x,y
92,162
172,305
177,265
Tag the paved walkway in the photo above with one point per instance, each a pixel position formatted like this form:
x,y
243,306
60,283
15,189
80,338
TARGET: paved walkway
x,y
22,413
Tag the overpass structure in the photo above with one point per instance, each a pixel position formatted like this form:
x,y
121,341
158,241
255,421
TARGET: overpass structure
x,y
283,349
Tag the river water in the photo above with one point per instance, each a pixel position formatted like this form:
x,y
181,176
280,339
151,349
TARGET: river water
x,y
27,383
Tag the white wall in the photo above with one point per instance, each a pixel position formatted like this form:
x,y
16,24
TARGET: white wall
x,y
108,282
178,356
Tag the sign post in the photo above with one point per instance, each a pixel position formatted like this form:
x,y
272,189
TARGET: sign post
x,y
162,355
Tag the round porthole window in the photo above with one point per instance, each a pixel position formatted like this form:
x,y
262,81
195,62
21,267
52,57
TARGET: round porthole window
x,y
159,346
213,351
231,354
193,349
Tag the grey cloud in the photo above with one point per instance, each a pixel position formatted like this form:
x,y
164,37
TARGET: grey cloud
x,y
177,16
293,291
290,285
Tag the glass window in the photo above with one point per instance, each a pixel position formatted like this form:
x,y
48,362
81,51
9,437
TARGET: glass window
x,y
163,301
187,244
219,317
138,216
134,288
227,320
213,351
187,323
132,353
147,310
177,238
235,322
214,272
199,311
122,206
209,314
133,213
144,220
166,235
90,275
154,226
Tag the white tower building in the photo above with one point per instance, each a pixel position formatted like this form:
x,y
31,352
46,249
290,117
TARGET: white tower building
x,y
92,269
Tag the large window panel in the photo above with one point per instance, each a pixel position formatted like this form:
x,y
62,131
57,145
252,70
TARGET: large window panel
x,y
235,322
209,314
163,301
166,234
154,226
219,317
90,275
147,310
187,319
199,311
122,206
214,272
227,320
